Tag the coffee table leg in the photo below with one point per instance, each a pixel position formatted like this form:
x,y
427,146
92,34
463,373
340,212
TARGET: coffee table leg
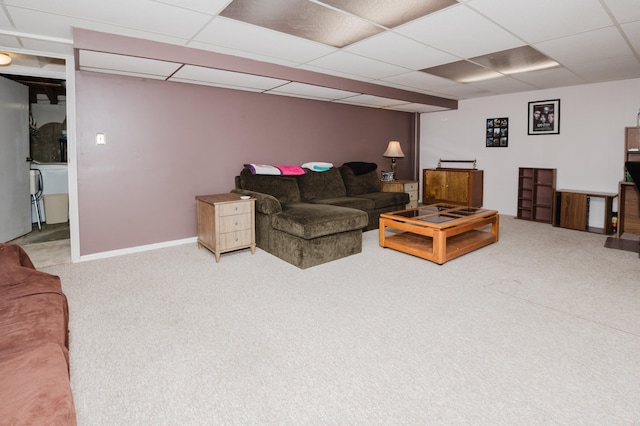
x,y
381,227
440,247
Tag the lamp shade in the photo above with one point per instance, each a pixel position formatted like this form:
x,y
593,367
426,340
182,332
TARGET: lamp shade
x,y
394,150
5,59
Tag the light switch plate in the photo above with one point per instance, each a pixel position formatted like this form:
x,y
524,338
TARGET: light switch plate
x,y
101,139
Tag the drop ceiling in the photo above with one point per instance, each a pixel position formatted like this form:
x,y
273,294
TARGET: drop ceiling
x,y
431,53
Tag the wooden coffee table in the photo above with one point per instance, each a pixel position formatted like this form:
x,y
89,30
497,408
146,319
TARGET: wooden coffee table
x,y
439,232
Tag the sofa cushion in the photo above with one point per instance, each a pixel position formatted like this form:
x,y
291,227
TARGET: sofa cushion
x,y
309,221
327,184
283,188
34,388
360,184
361,167
381,200
351,202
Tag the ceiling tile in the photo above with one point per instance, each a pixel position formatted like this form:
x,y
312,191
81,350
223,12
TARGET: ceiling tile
x,y
418,108
48,25
311,91
141,15
211,7
242,54
302,18
265,42
9,41
370,100
335,73
544,19
216,84
480,36
420,80
613,69
390,13
357,65
463,91
632,31
592,46
47,46
111,62
399,50
503,85
546,79
624,10
226,78
4,20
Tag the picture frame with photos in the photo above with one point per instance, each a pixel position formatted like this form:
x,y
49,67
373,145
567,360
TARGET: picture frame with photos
x,y
544,117
497,134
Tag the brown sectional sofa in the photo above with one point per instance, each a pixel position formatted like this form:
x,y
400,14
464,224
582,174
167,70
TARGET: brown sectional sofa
x,y
34,344
317,217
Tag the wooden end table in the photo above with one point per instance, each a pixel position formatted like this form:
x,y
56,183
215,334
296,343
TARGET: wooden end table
x,y
438,232
226,222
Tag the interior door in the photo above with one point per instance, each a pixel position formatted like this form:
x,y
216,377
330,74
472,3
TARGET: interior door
x,y
15,202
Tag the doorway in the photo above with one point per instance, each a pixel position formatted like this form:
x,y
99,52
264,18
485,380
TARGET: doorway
x,y
49,241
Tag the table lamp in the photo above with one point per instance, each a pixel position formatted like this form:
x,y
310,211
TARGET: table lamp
x,y
393,151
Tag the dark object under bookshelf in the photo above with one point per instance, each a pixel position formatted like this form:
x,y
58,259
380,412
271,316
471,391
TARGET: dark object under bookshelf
x,y
536,188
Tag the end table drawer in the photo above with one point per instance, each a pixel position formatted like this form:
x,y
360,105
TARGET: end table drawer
x,y
411,186
234,208
229,240
235,222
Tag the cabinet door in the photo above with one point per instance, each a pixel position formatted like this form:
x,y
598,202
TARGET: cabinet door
x,y
573,211
457,188
435,184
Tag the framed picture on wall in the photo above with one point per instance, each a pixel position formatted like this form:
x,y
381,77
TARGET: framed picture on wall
x,y
544,117
497,132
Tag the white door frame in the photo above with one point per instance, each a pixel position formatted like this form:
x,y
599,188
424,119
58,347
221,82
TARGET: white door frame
x,y
70,77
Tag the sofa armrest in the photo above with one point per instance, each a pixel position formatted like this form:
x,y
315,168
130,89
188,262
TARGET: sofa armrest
x,y
265,203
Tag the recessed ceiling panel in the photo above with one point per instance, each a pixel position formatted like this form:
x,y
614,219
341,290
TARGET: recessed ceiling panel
x,y
302,18
463,72
390,13
514,61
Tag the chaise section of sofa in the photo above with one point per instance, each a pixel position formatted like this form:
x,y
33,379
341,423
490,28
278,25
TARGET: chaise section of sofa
x,y
312,219
34,345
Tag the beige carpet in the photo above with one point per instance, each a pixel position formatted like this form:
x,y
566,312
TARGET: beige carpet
x,y
542,327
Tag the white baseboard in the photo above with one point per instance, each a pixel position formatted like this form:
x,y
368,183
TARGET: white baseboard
x,y
138,249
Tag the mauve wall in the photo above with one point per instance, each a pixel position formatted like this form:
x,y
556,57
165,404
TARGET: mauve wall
x,y
168,142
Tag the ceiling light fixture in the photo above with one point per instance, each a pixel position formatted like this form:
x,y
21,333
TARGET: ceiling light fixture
x,y
5,59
